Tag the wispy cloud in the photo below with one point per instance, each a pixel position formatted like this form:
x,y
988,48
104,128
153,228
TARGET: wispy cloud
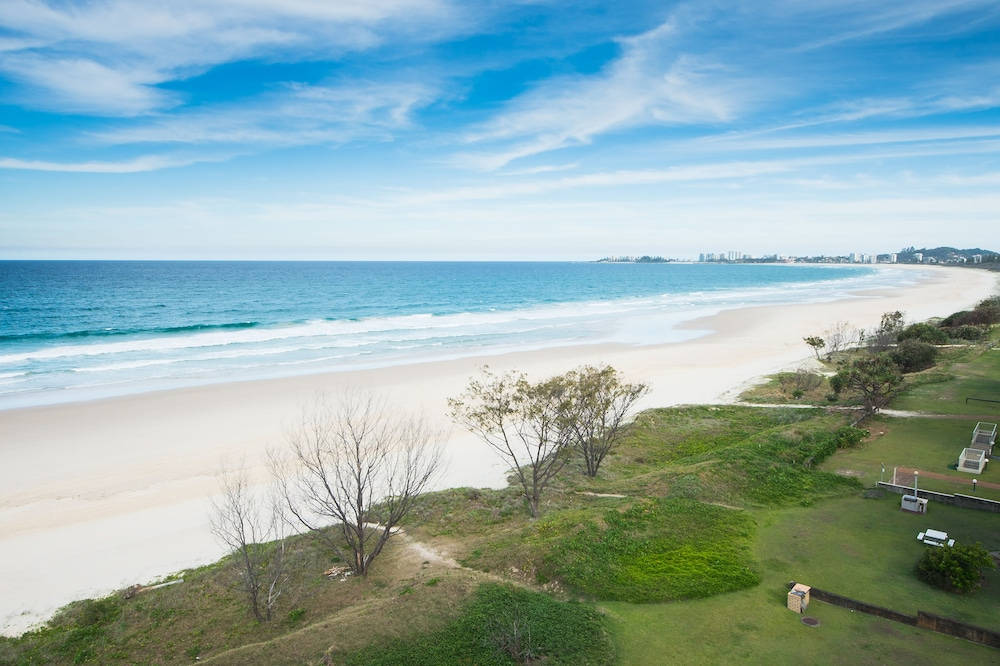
x,y
136,165
107,57
651,83
295,115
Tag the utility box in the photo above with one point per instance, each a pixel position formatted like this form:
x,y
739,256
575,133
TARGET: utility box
x,y
913,504
798,598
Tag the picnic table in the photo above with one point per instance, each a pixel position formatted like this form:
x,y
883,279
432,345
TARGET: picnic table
x,y
935,538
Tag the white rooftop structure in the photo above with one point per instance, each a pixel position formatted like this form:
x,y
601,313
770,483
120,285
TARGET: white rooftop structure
x,y
972,461
984,436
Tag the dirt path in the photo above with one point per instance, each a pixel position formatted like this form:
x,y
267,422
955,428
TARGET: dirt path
x,y
903,476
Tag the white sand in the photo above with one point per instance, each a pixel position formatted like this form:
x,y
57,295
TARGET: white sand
x,y
99,495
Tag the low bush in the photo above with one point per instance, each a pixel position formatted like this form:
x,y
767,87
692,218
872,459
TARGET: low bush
x,y
956,569
913,355
924,333
505,625
666,549
967,332
984,316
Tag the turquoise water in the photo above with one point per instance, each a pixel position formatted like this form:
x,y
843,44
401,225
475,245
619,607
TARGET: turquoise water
x,y
80,330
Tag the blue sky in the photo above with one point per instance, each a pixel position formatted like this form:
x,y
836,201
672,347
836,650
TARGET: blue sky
x,y
431,129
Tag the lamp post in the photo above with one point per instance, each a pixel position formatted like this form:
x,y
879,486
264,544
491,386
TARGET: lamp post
x,y
974,482
916,475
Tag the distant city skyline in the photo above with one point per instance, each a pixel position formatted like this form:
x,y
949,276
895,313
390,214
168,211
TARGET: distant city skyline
x,y
431,129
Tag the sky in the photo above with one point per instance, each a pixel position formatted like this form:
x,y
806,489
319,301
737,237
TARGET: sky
x,y
440,130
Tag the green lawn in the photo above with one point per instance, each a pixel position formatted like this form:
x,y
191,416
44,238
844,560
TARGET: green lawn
x,y
973,372
861,548
926,444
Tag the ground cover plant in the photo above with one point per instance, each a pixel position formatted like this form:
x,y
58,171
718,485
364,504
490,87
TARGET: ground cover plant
x,y
504,625
656,551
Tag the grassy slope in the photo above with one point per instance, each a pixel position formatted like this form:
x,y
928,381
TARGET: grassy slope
x,y
759,461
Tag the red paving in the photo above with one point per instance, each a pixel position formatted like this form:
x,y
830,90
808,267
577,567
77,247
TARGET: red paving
x,y
904,477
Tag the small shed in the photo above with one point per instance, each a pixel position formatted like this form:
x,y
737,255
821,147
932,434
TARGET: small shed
x,y
972,461
984,436
798,598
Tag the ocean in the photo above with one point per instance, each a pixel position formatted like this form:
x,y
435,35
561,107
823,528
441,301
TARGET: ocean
x,y
78,330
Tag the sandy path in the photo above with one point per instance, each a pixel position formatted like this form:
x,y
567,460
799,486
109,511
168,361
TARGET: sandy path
x,y
99,495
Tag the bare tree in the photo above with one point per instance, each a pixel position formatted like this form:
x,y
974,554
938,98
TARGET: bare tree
x,y
597,409
254,533
521,421
357,464
838,338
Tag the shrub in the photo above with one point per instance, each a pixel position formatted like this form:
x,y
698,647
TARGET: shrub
x,y
967,332
978,317
924,333
956,569
913,355
799,382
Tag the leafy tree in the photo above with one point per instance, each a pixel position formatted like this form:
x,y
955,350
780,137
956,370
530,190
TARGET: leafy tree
x,y
887,332
924,333
816,343
956,569
875,378
596,411
523,422
913,355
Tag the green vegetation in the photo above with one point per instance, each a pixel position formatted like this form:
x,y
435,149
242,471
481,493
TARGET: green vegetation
x,y
957,569
656,551
503,625
924,333
930,445
865,549
701,513
970,372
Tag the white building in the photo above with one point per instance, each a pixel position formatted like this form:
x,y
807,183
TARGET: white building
x,y
918,257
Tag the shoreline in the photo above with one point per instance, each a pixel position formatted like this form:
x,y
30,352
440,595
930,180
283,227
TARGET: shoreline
x,y
125,481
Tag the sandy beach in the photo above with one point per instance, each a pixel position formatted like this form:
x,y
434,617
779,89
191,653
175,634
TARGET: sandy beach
x,y
98,495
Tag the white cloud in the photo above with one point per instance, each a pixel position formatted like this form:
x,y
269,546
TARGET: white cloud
x,y
88,54
649,84
136,165
295,115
